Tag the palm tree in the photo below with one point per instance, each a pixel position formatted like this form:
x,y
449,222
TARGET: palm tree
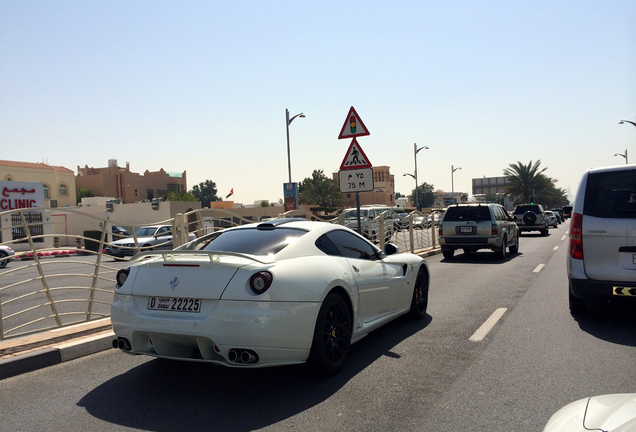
x,y
524,181
319,190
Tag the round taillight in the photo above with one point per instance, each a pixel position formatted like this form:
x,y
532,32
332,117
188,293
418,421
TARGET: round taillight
x,y
260,282
122,275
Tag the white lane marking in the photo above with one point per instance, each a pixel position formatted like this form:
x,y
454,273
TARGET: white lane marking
x,y
555,248
482,331
538,268
564,237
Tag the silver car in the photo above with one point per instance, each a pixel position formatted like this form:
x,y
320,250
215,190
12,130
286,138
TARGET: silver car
x,y
6,256
148,238
601,265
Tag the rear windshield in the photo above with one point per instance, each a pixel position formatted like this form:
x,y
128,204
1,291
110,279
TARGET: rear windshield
x,y
611,195
250,241
527,208
468,213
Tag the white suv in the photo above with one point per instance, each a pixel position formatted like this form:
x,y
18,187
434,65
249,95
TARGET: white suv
x,y
602,261
374,219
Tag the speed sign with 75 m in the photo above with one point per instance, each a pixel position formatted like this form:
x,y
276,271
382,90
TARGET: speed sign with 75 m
x,y
356,180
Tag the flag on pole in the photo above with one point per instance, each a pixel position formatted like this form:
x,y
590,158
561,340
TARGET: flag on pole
x,y
230,194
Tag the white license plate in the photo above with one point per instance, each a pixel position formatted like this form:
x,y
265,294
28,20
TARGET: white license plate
x,y
179,304
466,229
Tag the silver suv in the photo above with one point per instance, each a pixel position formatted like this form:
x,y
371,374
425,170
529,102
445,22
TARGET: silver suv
x,y
478,226
530,217
602,261
374,219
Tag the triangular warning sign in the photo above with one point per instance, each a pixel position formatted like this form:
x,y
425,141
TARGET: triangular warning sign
x,y
355,157
353,126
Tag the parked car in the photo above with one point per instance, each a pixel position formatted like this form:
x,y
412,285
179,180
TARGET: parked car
x,y
282,292
148,238
602,262
472,227
120,232
611,413
552,218
6,255
531,217
370,216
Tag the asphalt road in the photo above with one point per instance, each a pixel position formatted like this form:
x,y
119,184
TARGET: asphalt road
x,y
424,375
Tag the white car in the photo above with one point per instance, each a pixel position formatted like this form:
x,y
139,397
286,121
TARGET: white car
x,y
6,256
552,219
148,238
280,292
609,413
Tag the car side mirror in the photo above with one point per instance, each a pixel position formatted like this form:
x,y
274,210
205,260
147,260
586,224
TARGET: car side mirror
x,y
390,249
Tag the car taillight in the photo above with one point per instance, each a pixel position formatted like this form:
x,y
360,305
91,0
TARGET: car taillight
x,y
495,229
576,241
440,230
121,277
261,281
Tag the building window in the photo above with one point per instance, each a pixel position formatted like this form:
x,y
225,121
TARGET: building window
x,y
8,178
46,191
62,190
136,192
150,194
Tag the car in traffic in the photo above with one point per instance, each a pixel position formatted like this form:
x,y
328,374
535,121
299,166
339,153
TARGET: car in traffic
x,y
607,413
120,232
281,292
552,219
6,255
472,227
601,264
147,238
531,217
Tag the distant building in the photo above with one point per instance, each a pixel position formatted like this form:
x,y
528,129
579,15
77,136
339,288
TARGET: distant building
x,y
58,181
492,188
115,181
444,199
383,189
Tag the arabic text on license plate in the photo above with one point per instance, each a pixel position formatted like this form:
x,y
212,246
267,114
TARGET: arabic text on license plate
x,y
174,304
466,229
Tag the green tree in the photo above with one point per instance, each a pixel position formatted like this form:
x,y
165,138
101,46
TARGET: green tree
x,y
265,203
319,190
183,196
83,193
425,195
205,192
528,180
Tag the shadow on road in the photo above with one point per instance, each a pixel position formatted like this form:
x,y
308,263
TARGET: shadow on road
x,y
611,322
163,395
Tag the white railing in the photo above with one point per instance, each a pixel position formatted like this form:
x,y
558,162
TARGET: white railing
x,y
39,291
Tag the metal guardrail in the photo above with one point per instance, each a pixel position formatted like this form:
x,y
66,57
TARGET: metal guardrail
x,y
40,292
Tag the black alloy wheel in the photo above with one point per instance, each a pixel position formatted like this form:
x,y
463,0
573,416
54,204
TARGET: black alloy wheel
x,y
419,302
332,336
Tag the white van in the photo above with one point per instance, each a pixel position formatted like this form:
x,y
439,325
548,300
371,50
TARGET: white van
x,y
602,261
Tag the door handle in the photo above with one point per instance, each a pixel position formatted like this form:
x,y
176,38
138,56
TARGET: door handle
x,y
355,269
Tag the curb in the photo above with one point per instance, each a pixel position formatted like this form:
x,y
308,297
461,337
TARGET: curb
x,y
45,357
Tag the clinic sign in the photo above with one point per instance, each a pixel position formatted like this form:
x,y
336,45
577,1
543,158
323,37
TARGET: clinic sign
x,y
20,195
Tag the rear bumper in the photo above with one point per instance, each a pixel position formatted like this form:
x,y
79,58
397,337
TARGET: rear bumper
x,y
470,242
591,289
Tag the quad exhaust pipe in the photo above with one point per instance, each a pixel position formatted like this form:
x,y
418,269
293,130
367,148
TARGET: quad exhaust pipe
x,y
122,344
242,356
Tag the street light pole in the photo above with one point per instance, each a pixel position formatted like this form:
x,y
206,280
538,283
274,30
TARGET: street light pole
x,y
287,123
415,178
625,155
415,152
453,169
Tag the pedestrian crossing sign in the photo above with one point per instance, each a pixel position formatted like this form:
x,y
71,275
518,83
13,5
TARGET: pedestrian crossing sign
x,y
355,158
353,126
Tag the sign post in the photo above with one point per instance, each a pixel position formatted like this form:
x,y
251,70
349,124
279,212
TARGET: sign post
x,y
356,172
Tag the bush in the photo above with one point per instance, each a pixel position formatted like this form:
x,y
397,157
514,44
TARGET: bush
x,y
92,245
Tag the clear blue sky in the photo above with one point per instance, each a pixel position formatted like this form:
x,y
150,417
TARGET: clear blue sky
x,y
202,86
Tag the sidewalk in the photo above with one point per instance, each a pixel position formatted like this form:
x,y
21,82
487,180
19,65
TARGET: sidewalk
x,y
37,351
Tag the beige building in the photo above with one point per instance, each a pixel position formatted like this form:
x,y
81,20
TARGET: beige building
x,y
59,182
383,189
115,181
